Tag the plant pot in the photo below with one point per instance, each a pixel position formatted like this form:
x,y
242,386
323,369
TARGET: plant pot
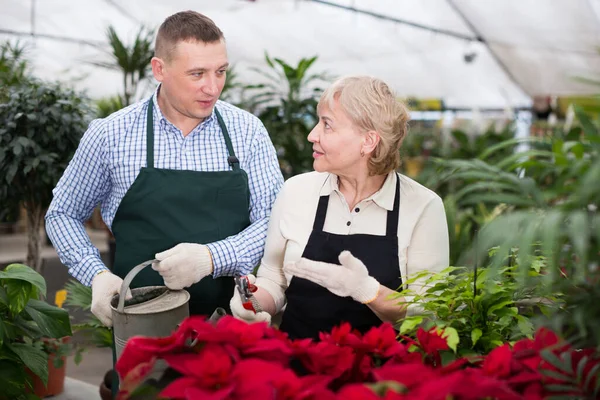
x,y
106,386
56,379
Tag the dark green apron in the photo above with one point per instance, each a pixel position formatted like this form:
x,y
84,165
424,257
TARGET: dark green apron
x,y
164,207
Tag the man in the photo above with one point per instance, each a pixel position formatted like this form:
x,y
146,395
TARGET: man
x,y
182,177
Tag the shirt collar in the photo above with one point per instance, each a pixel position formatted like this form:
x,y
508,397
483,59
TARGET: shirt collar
x,y
384,197
163,121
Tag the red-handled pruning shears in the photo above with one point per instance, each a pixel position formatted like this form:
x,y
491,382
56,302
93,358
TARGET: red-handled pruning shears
x,y
246,289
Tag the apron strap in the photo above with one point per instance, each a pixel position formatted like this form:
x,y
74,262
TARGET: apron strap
x,y
393,216
321,213
150,136
232,159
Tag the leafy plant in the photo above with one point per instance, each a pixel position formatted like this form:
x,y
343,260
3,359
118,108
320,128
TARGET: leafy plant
x,y
481,306
287,106
14,67
24,320
133,60
58,349
552,194
108,105
79,297
40,128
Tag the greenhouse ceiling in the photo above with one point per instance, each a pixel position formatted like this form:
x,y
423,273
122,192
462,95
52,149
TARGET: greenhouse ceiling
x,y
468,53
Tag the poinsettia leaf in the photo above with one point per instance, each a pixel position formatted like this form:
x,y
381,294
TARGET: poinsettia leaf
x,y
561,388
590,377
556,362
556,375
581,368
34,358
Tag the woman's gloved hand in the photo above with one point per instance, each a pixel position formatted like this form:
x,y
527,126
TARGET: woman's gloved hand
x,y
351,279
238,310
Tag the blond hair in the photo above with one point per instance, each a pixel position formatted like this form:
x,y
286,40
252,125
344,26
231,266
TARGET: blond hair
x,y
372,106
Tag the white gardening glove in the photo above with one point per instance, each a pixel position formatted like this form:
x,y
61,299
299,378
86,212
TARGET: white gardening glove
x,y
238,310
104,286
184,265
349,279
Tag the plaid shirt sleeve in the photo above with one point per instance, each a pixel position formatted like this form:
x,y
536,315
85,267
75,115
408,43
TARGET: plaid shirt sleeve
x,y
83,185
242,252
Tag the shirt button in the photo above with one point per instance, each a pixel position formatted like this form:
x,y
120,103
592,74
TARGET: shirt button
x,y
357,209
348,223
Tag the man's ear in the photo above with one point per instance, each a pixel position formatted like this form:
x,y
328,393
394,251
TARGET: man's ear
x,y
158,68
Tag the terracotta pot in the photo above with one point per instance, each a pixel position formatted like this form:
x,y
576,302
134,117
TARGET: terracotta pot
x,y
56,379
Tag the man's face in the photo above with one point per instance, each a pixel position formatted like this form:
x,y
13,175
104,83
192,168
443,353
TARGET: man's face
x,y
193,79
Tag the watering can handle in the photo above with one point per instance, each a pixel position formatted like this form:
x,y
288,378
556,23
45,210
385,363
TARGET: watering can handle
x,y
125,285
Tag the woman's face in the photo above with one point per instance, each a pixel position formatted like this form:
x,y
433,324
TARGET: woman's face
x,y
337,142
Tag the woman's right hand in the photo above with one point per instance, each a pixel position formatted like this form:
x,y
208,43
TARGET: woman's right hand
x,y
238,310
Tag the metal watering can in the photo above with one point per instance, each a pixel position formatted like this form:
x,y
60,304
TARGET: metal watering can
x,y
152,311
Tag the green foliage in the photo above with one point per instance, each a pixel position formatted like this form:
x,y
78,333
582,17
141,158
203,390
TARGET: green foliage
x,y
80,297
40,127
549,195
108,105
287,106
482,315
14,68
577,371
133,60
24,322
435,153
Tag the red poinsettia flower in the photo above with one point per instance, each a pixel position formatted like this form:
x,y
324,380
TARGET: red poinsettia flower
x,y
342,335
134,378
383,342
247,380
357,391
141,349
431,341
409,375
467,384
289,386
325,358
498,362
212,366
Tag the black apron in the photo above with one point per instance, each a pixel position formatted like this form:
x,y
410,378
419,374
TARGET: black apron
x,y
311,308
165,207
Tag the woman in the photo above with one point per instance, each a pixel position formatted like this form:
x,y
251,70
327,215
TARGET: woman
x,y
343,238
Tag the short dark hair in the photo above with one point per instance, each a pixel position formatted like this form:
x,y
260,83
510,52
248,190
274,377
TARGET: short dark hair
x,y
184,26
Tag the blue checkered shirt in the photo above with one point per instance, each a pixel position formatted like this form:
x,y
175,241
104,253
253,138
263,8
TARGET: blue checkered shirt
x,y
109,158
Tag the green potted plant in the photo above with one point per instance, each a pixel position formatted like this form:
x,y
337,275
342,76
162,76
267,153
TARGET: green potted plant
x,y
79,298
40,127
25,320
481,308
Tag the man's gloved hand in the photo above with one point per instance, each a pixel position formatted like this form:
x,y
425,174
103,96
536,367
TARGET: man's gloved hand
x,y
349,279
238,310
104,286
184,265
